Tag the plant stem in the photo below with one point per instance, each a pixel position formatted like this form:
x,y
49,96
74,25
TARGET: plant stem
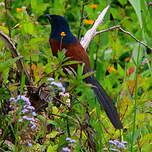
x,y
135,101
81,19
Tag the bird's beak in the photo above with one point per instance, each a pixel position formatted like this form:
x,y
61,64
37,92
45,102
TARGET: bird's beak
x,y
48,16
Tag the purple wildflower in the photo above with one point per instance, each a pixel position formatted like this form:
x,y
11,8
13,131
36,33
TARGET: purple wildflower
x,y
21,97
150,3
120,144
57,84
50,79
29,144
70,140
28,118
34,113
25,110
66,149
33,126
112,142
73,141
29,107
12,99
113,149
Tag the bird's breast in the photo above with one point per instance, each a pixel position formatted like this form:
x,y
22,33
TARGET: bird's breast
x,y
73,50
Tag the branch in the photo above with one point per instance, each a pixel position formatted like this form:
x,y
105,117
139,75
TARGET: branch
x,y
91,33
15,53
126,32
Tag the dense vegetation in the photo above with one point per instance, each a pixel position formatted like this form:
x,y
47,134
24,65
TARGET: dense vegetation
x,y
35,112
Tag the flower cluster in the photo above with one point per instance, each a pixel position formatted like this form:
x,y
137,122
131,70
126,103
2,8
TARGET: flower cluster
x,y
70,144
116,145
94,6
70,140
57,84
27,113
109,69
150,4
65,98
89,22
66,149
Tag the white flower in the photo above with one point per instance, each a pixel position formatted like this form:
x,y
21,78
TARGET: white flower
x,y
68,101
2,4
64,94
24,7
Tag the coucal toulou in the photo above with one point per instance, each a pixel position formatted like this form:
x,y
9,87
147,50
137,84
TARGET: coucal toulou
x,y
62,38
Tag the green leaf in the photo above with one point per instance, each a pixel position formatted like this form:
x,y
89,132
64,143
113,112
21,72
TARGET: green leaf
x,y
28,27
53,134
52,122
70,63
80,69
52,148
137,7
6,64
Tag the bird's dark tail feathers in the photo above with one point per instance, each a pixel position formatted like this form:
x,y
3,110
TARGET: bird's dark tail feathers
x,y
105,101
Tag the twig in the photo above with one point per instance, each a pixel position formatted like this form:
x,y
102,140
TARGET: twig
x,y
81,20
15,53
109,29
126,32
91,33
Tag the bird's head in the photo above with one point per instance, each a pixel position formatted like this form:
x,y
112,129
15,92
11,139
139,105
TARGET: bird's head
x,y
56,19
59,25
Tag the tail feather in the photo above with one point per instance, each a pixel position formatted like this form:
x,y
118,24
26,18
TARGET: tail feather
x,y
105,101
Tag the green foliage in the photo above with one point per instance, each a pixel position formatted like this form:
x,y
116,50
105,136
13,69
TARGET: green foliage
x,y
121,64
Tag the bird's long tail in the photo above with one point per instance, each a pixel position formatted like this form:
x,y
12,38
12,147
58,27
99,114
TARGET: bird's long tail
x,y
105,101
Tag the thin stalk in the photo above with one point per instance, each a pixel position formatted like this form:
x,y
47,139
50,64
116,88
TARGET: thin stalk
x,y
81,19
7,9
135,102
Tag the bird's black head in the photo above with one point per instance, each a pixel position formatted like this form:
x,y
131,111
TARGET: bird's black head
x,y
56,20
59,25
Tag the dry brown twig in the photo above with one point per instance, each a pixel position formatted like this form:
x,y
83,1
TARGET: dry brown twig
x,y
124,31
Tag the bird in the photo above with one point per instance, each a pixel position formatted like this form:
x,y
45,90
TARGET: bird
x,y
62,38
